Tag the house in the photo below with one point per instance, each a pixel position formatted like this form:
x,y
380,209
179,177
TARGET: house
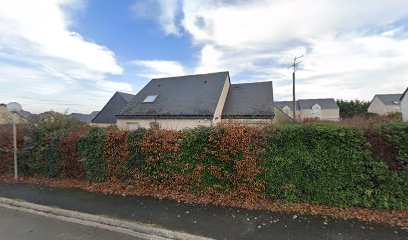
x,y
194,100
385,104
321,108
404,105
6,117
107,116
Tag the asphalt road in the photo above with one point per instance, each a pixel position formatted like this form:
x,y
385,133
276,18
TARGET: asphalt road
x,y
16,225
205,220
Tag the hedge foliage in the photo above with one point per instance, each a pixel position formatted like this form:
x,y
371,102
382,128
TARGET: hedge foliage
x,y
320,163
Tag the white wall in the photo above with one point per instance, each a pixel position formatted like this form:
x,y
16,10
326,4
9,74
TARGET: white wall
x,y
171,124
404,108
379,107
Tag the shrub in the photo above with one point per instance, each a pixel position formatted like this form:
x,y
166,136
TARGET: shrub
x,y
161,149
7,150
70,164
40,150
136,161
116,153
91,146
317,163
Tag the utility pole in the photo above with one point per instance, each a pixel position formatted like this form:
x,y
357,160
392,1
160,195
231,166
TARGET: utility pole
x,y
295,64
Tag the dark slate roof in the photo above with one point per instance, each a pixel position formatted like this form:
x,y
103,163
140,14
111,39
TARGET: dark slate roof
x,y
389,99
325,103
126,96
189,96
281,104
93,115
25,114
114,105
403,95
249,100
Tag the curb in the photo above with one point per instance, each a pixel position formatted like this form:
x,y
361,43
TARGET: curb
x,y
116,225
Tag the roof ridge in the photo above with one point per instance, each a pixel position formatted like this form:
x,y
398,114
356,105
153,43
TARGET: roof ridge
x,y
190,75
251,82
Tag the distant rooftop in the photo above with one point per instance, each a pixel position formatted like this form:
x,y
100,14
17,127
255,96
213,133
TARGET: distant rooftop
x,y
389,99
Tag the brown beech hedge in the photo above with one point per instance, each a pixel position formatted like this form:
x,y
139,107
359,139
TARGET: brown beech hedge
x,y
320,163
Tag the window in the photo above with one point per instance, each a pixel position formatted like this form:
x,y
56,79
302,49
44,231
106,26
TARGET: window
x,y
316,110
286,110
132,126
150,98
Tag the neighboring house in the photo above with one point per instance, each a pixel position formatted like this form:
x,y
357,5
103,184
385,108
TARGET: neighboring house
x,y
385,104
194,100
321,108
107,116
6,117
404,105
249,103
86,118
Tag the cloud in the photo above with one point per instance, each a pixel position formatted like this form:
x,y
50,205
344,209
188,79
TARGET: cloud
x,y
167,18
40,55
351,49
159,68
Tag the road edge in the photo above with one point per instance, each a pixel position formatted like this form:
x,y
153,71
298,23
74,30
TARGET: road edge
x,y
111,224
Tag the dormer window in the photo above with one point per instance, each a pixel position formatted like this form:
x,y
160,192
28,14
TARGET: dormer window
x,y
150,98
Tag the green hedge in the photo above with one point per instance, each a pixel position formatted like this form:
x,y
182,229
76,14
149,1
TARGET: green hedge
x,y
91,147
320,163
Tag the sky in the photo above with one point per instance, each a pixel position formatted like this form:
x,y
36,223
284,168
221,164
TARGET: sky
x,y
73,55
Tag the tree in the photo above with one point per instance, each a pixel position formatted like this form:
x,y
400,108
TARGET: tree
x,y
352,108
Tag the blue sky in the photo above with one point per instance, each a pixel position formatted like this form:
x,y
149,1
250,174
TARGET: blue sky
x,y
72,55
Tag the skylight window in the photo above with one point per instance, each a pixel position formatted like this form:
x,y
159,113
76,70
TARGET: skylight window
x,y
150,98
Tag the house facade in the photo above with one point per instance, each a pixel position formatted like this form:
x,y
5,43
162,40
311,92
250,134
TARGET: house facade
x,y
385,104
325,109
194,100
404,105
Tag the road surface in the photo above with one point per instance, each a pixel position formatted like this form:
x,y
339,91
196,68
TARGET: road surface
x,y
16,225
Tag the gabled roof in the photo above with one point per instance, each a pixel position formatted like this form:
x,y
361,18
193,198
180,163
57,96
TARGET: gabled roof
x,y
403,95
325,103
114,105
249,100
126,96
281,104
389,99
191,96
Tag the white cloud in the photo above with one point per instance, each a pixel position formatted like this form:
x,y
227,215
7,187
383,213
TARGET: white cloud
x,y
159,68
40,55
163,12
353,49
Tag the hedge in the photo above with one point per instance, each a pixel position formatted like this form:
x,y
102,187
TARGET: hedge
x,y
327,164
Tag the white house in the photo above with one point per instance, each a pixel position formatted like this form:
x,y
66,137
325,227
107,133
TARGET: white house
x,y
323,109
385,104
